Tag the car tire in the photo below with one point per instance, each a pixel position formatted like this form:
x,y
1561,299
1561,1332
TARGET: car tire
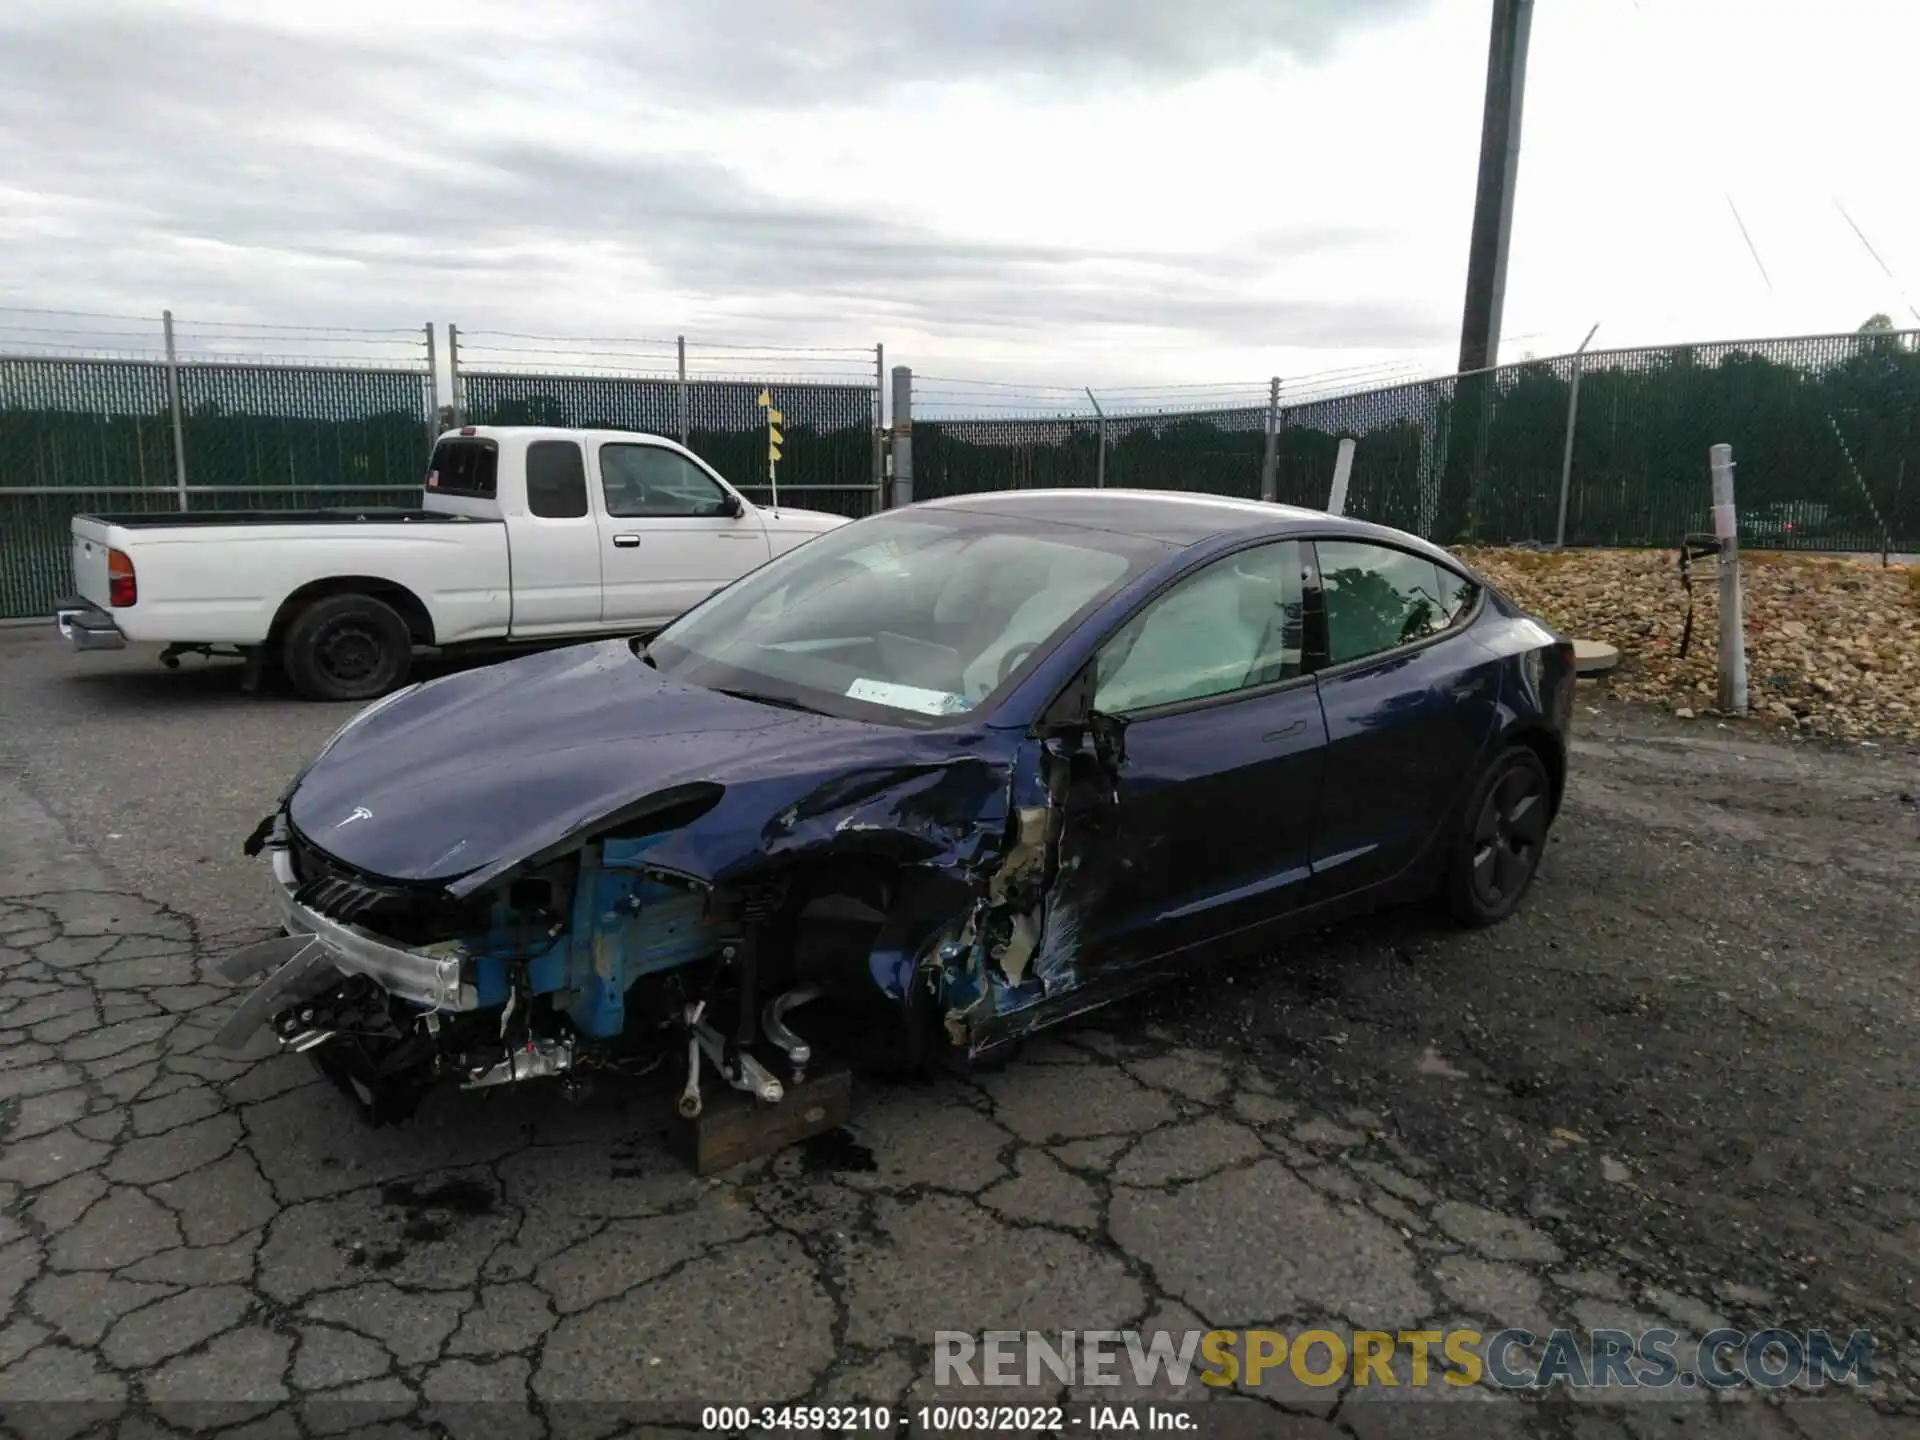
x,y
347,647
1503,832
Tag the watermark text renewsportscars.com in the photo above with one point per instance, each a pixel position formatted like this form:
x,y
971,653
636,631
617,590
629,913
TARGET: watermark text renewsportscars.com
x,y
1511,1359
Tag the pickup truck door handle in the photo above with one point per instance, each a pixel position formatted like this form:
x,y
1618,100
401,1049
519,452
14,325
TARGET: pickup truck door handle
x,y
626,542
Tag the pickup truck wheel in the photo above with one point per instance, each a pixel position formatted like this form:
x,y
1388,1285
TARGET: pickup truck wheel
x,y
347,647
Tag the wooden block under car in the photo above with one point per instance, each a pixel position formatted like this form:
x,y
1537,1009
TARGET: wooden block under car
x,y
734,1127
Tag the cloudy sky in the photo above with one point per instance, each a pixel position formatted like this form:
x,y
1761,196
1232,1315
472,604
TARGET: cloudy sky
x,y
1114,192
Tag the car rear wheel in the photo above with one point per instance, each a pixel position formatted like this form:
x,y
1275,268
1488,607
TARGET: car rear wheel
x,y
347,647
1502,835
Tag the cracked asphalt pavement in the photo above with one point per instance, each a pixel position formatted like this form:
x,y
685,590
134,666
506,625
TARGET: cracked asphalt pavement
x,y
1679,1088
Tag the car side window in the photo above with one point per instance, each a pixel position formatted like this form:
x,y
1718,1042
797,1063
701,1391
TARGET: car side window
x,y
1378,598
1457,595
644,480
556,480
1234,624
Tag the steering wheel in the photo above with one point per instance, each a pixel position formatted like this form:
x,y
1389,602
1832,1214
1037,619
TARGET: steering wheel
x,y
1011,660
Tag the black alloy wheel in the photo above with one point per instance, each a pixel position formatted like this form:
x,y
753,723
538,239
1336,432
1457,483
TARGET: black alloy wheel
x,y
1504,834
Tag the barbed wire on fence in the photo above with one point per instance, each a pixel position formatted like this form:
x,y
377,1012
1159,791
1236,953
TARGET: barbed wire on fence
x,y
26,333
1824,427
659,358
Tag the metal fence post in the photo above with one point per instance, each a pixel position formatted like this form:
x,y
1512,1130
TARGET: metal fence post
x,y
680,390
880,497
1270,460
1342,473
1100,462
1566,455
433,391
454,397
1733,635
902,435
173,404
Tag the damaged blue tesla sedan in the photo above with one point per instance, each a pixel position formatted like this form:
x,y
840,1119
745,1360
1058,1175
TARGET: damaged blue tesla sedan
x,y
959,771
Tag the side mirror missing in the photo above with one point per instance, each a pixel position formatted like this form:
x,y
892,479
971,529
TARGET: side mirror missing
x,y
1071,718
1109,741
1066,718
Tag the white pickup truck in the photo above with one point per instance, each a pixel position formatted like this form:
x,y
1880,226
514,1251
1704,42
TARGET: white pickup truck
x,y
526,534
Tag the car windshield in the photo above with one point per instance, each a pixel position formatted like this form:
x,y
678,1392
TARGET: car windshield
x,y
908,617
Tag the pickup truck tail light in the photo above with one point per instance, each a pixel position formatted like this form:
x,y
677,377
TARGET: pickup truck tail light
x,y
122,590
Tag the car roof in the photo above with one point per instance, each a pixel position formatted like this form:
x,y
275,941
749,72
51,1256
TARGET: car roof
x,y
556,432
1172,515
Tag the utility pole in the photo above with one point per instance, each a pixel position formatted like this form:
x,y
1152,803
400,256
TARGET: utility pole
x,y
1493,197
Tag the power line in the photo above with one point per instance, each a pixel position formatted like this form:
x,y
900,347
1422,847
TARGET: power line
x,y
1876,257
1750,245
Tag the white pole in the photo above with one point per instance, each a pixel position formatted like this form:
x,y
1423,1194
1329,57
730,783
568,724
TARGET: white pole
x,y
1342,472
1733,635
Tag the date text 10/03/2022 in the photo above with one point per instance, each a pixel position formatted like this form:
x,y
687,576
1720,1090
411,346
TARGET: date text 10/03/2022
x,y
945,1419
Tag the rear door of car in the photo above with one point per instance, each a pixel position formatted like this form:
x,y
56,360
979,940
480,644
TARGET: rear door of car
x,y
1410,700
1207,825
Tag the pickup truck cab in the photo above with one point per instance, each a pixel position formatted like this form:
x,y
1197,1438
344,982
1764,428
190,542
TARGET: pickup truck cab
x,y
524,534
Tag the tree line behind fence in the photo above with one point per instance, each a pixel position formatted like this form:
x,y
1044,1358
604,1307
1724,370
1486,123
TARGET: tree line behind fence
x,y
1825,432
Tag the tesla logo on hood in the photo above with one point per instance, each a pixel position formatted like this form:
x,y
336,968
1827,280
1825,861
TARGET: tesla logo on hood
x,y
360,812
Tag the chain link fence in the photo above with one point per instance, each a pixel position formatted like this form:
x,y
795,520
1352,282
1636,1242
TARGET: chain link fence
x,y
332,419
1825,431
705,396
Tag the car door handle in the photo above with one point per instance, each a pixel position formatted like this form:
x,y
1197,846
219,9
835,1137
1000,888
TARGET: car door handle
x,y
626,542
1281,734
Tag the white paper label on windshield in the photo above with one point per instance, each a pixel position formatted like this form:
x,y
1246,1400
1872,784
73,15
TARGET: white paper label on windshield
x,y
907,697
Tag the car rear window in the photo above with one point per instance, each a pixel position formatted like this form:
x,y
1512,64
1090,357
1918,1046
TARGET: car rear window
x,y
464,467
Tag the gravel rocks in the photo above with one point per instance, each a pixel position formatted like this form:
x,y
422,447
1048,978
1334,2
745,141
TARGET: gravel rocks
x,y
1833,645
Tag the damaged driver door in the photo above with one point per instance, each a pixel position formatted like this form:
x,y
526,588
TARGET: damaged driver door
x,y
1191,807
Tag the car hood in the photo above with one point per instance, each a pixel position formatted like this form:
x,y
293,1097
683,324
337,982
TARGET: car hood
x,y
470,774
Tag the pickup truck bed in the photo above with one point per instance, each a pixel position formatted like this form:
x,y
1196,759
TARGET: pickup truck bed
x,y
361,515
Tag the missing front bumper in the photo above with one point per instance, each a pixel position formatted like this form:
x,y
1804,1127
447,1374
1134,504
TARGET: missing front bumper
x,y
318,951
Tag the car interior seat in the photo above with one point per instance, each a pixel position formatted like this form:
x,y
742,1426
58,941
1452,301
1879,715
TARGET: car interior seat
x,y
1075,576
